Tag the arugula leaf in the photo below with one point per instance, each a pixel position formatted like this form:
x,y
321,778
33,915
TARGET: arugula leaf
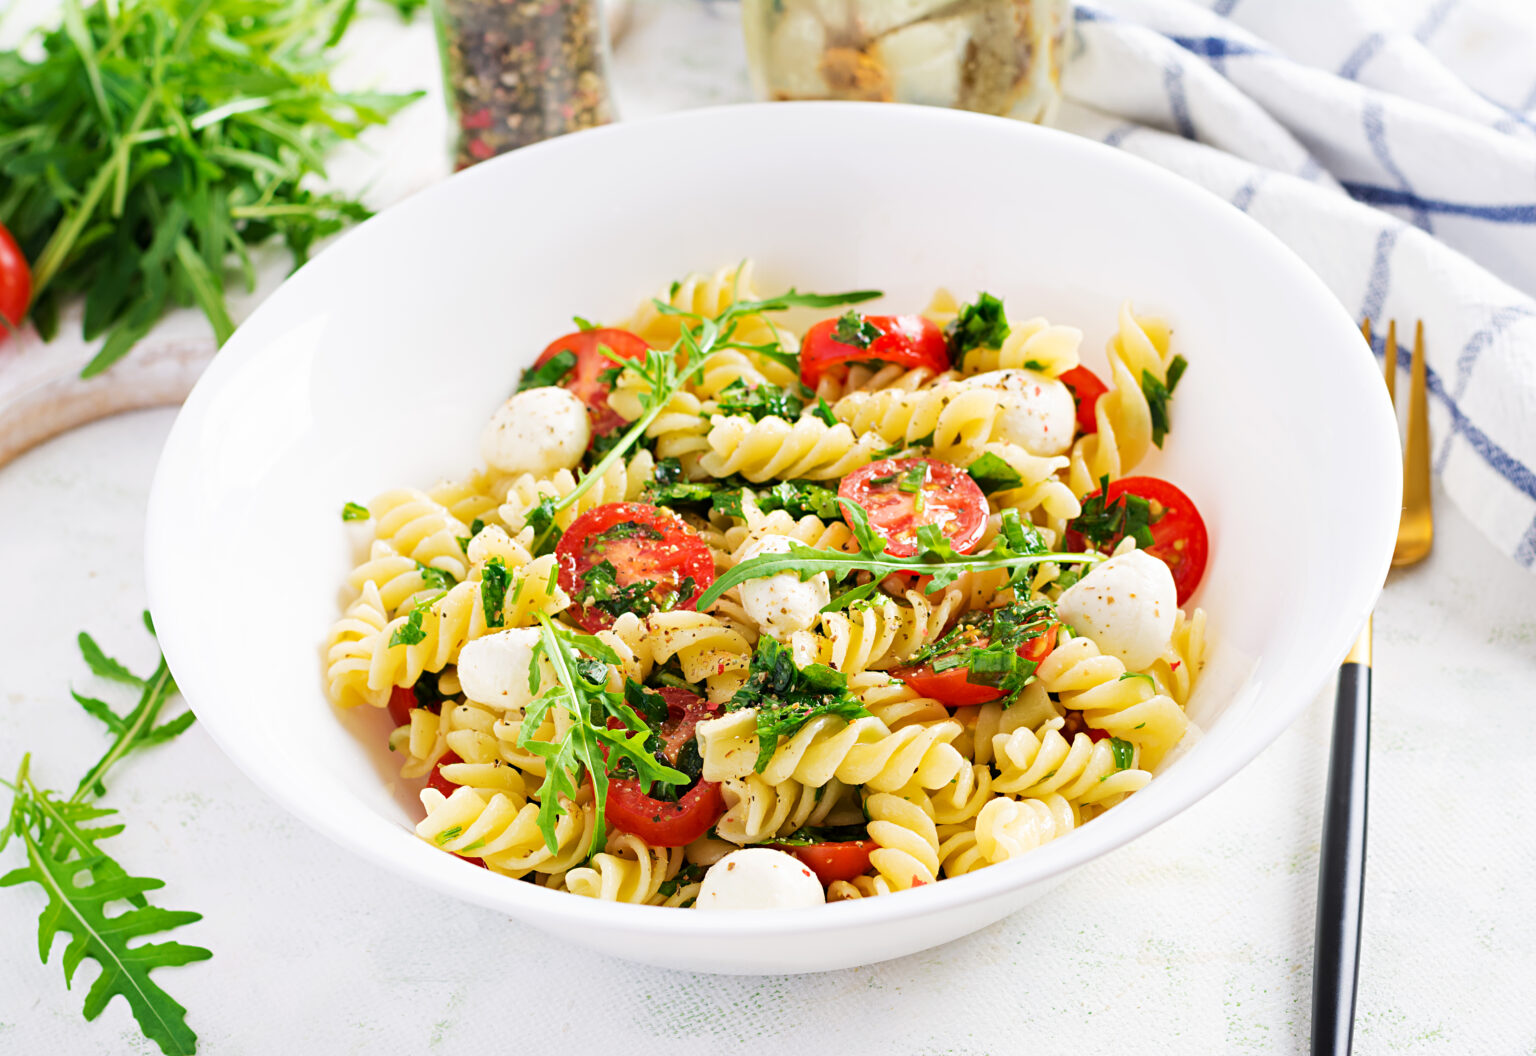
x,y
850,596
411,632
583,324
588,746
855,331
992,473
982,324
494,579
1124,753
1104,522
787,697
1158,394
103,666
552,372
354,511
935,557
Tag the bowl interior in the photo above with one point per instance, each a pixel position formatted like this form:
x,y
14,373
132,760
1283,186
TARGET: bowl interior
x,y
378,363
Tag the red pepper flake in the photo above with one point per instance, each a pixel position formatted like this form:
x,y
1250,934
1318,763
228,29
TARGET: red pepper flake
x,y
480,149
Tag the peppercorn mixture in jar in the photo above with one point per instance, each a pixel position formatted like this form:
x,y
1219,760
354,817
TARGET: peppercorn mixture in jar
x,y
520,71
994,56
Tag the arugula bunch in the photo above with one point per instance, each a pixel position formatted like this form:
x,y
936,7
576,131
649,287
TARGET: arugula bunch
x,y
665,371
986,643
590,746
148,142
787,697
1019,550
80,879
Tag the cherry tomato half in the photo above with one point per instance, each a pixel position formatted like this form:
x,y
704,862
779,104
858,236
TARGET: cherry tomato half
x,y
953,687
437,780
833,861
1179,537
610,551
902,494
909,340
15,283
685,711
584,379
658,822
1086,390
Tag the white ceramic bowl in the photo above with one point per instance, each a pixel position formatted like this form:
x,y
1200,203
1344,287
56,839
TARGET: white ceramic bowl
x,y
377,364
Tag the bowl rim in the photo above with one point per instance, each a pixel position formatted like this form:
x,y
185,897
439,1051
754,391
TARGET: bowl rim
x,y
534,903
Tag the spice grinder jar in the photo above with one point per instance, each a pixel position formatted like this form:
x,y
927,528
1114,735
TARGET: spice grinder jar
x,y
519,71
994,56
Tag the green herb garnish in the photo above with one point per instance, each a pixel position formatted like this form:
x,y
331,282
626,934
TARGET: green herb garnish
x,y
987,643
436,577
855,331
1159,393
552,372
494,579
354,511
1124,753
1104,522
760,401
992,473
787,697
982,324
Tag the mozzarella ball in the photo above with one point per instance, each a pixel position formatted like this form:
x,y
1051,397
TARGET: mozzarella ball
x,y
759,878
494,670
1038,413
784,603
1127,605
537,431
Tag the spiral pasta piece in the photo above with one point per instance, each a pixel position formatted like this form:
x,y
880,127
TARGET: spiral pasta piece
x,y
349,652
1130,708
756,810
859,377
1004,829
680,430
907,854
502,833
1040,486
628,870
809,530
1034,344
956,421
866,752
1177,670
878,633
1083,771
623,482
421,529
707,649
894,702
469,501
705,295
1123,415
774,449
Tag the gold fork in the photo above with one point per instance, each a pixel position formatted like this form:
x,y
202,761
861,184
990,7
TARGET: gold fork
x,y
1341,875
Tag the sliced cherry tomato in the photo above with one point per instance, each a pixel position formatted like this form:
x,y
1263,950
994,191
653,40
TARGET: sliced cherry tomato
x,y
1086,390
908,340
631,557
658,822
833,861
685,711
1074,724
1179,537
953,687
15,283
585,378
401,700
902,494
437,780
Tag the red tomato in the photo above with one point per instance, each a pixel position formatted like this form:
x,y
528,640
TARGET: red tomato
x,y
15,283
437,780
949,498
833,861
659,823
909,340
584,379
1179,537
685,711
953,688
1086,390
642,544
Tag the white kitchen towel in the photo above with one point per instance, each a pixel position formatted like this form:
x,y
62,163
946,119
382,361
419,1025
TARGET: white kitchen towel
x,y
1392,146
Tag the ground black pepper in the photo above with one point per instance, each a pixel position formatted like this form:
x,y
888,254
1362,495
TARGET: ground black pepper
x,y
520,71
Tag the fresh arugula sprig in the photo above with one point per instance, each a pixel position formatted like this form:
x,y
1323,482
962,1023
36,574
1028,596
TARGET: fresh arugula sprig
x,y
150,146
665,371
79,878
787,696
1019,549
588,747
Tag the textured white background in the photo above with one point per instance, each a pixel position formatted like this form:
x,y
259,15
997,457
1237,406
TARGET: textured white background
x,y
1195,939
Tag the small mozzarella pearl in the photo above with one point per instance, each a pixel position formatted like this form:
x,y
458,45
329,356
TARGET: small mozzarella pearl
x,y
782,604
1038,413
494,670
538,431
759,878
1127,605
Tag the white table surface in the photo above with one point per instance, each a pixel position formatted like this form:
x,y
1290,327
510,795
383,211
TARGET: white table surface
x,y
1195,939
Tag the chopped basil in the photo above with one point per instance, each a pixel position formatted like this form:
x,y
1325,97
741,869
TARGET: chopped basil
x,y
410,632
823,410
354,511
992,473
436,577
1138,674
494,578
911,482
759,401
855,331
1104,523
1124,752
980,325
986,643
1159,393
787,697
627,530
475,528
552,372
583,324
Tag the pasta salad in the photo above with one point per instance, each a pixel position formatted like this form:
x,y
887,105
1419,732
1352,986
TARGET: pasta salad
x,y
735,618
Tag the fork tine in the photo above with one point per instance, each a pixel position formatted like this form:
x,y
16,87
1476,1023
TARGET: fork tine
x,y
1389,361
1416,532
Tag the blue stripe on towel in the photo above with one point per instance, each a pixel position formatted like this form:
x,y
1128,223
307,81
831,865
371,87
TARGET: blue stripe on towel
x,y
1525,552
1178,100
1380,280
1364,52
1498,214
1434,20
1373,119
